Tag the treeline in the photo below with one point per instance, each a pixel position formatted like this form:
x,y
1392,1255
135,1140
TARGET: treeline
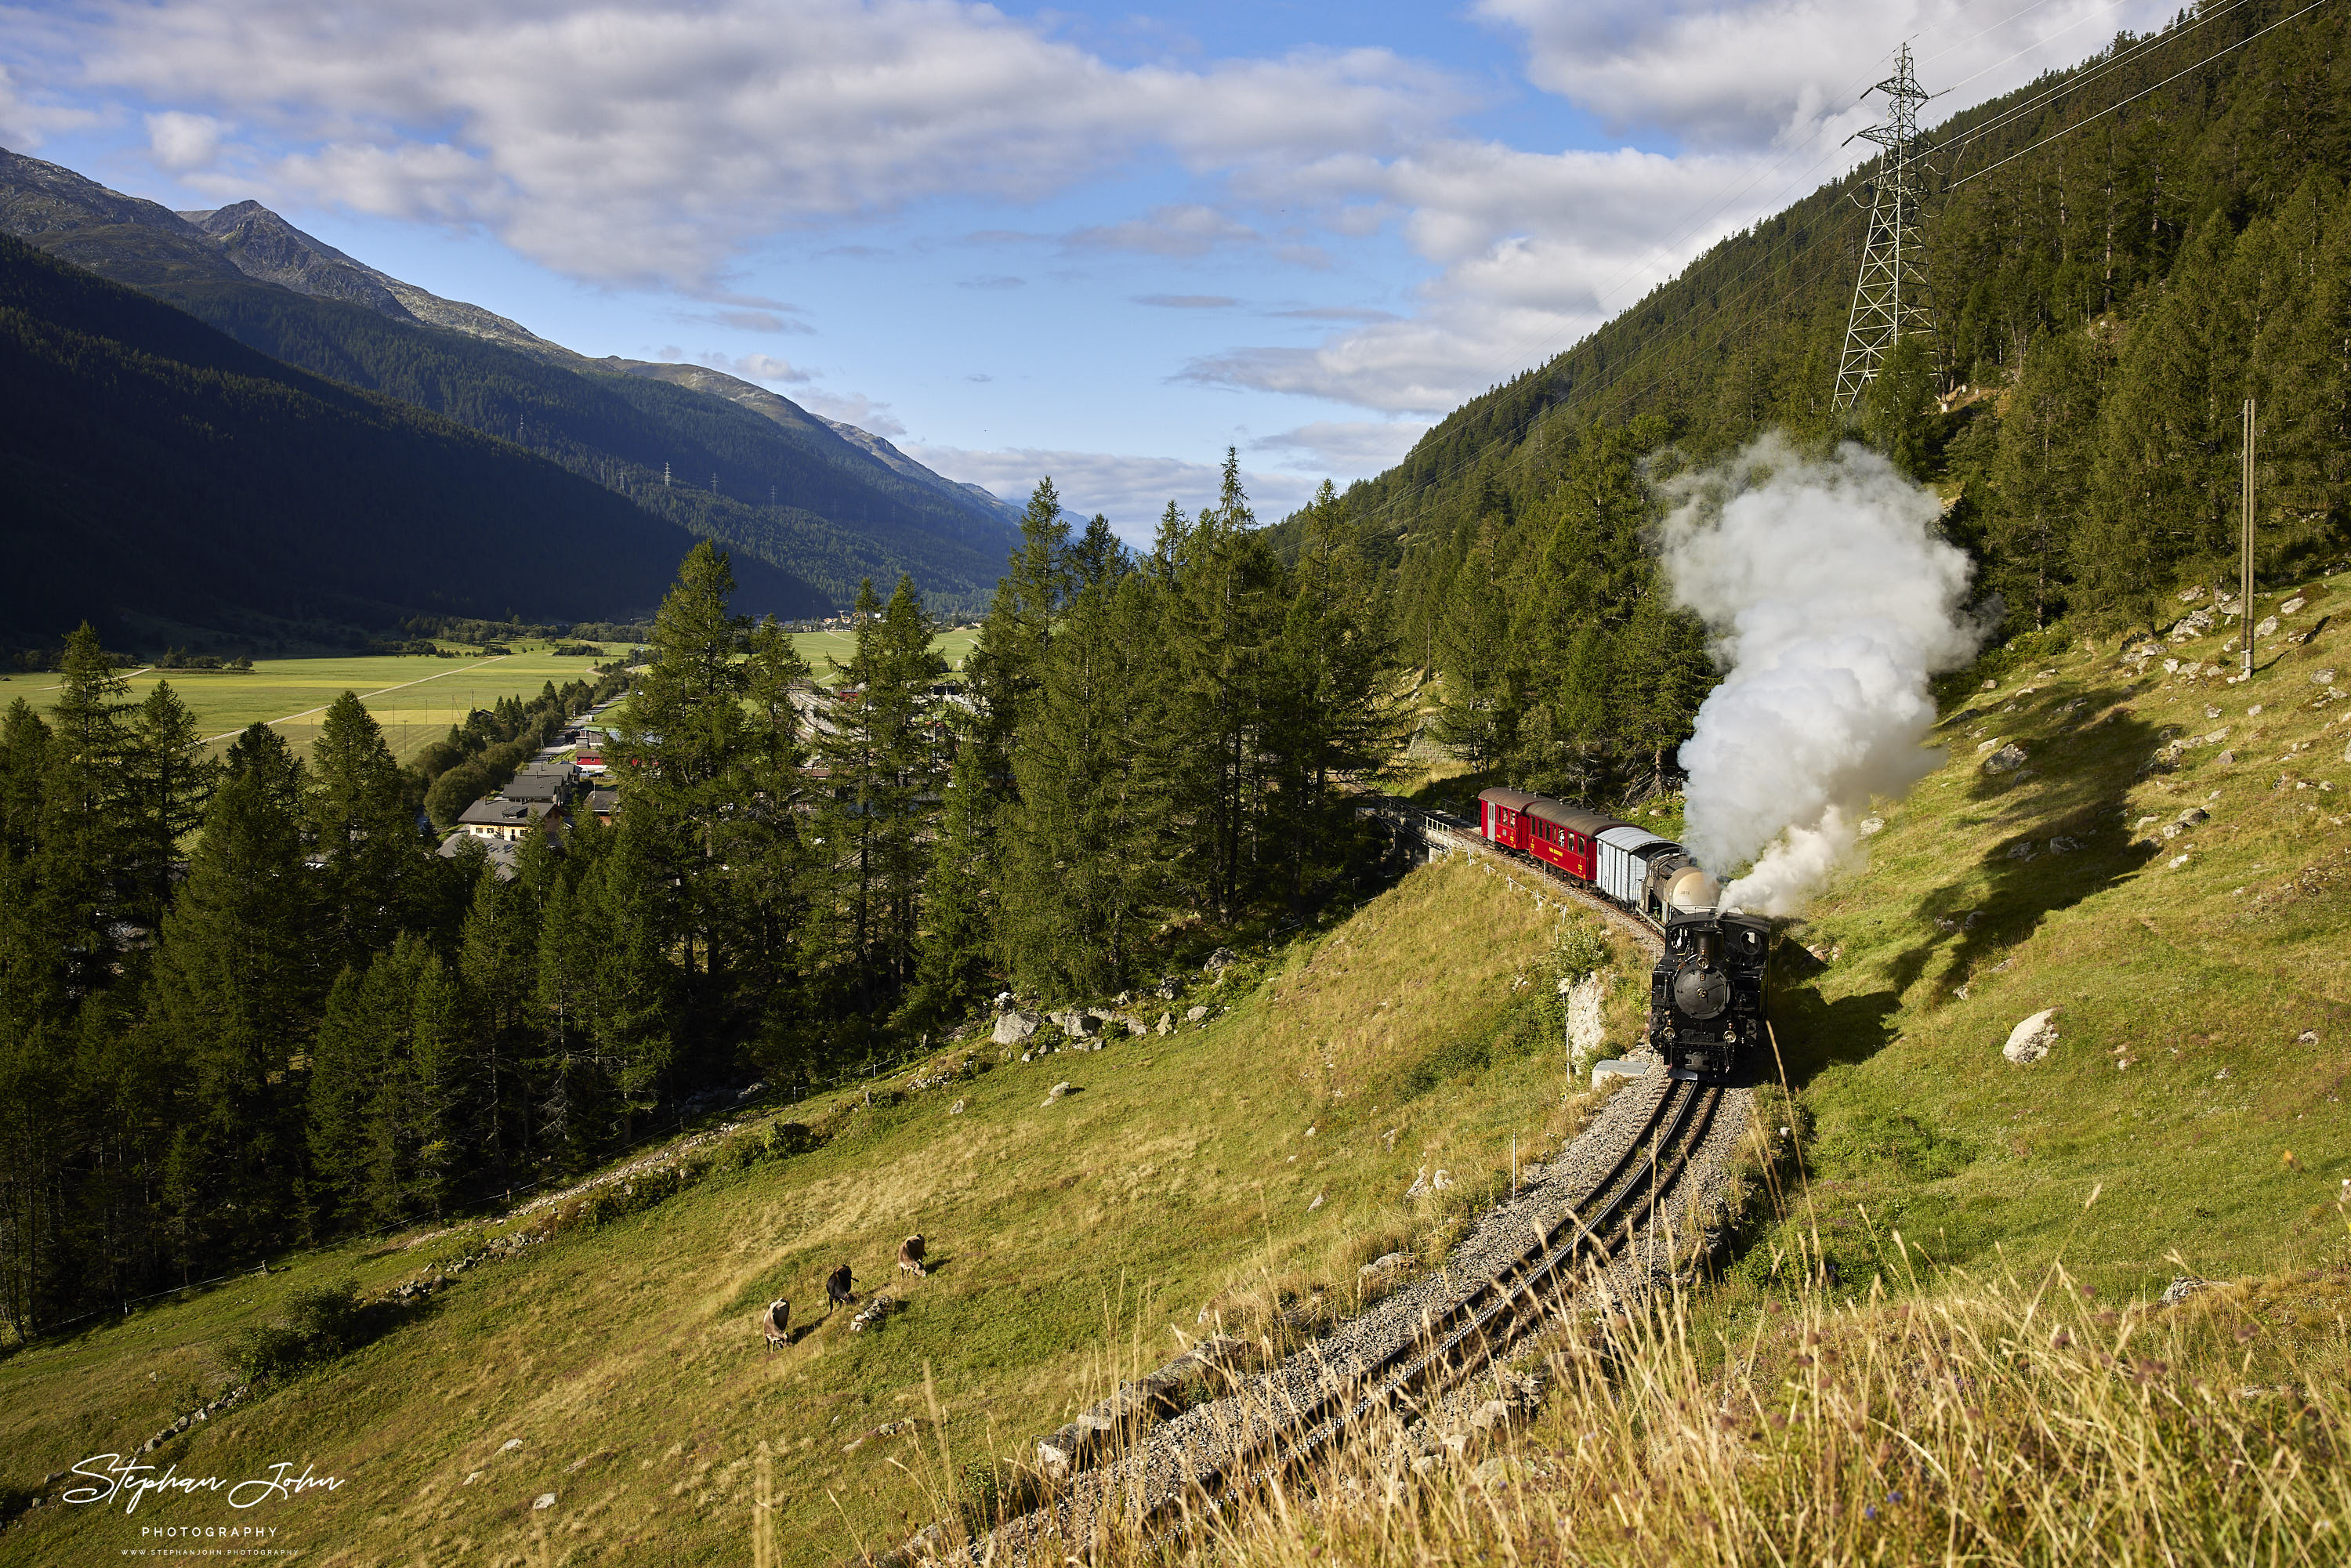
x,y
465,628
1155,738
2102,308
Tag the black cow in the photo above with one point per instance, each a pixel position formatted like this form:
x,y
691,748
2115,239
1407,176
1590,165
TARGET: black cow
x,y
837,1289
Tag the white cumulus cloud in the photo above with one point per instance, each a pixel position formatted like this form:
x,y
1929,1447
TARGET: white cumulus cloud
x,y
183,142
650,142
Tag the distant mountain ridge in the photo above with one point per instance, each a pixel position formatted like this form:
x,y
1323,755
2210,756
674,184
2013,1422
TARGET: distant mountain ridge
x,y
719,455
264,245
174,485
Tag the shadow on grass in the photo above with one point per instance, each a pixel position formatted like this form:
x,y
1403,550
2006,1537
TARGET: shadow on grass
x,y
2064,839
1815,1034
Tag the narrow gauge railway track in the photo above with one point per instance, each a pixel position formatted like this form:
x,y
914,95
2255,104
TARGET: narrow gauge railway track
x,y
1272,1426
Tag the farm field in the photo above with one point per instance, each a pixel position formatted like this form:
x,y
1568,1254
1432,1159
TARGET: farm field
x,y
819,648
415,699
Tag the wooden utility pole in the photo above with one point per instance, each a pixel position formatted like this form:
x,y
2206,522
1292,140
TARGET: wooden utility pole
x,y
2245,571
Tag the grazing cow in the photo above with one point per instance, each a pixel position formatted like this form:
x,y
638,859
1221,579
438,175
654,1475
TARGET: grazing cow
x,y
909,1256
836,1288
774,1322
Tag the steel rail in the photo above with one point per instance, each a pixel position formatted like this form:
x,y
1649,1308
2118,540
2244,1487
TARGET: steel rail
x,y
1473,1333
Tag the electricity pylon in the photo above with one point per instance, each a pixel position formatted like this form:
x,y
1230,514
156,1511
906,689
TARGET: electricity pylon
x,y
1889,295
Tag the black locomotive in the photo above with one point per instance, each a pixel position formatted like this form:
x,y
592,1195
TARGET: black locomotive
x,y
1705,994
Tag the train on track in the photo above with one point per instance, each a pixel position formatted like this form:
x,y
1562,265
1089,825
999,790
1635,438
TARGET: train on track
x,y
1706,998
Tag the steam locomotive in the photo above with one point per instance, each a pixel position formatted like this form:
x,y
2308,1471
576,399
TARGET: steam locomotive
x,y
1706,1011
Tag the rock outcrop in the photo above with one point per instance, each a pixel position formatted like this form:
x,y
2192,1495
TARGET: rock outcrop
x,y
1586,1032
2030,1040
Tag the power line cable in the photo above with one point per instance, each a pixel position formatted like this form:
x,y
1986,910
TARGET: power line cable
x,y
1850,98
2134,98
2085,76
1578,398
2037,43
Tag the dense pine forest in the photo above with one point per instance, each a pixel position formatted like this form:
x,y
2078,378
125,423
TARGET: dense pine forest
x,y
246,1005
2119,256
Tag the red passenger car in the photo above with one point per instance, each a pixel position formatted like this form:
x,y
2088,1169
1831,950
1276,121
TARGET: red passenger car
x,y
1550,831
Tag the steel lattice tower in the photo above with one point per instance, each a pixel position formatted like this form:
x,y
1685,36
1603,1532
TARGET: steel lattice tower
x,y
1889,295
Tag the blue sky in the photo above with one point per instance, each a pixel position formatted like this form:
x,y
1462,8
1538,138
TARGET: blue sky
x,y
1094,241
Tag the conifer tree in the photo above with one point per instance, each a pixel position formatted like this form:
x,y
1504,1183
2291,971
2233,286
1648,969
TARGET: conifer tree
x,y
682,742
171,777
1003,670
1899,409
234,1000
1220,623
769,863
1084,859
364,830
2165,480
85,802
2042,472
386,1075
1335,718
2300,371
884,757
24,768
962,938
497,959
1484,680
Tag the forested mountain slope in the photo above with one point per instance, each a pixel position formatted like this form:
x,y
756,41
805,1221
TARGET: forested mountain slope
x,y
779,484
163,479
2102,305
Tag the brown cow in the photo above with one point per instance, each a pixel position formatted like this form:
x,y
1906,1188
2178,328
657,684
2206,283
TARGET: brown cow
x,y
774,1322
837,1289
909,1256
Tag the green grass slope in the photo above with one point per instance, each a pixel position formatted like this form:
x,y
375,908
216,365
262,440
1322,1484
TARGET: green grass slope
x,y
1075,1240
2201,971
1067,1240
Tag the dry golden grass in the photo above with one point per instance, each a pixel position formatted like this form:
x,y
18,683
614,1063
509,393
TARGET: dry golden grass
x,y
2005,1423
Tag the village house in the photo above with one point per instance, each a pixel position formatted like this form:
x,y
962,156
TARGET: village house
x,y
506,820
548,783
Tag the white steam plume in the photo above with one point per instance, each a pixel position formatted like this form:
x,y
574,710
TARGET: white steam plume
x,y
1829,601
